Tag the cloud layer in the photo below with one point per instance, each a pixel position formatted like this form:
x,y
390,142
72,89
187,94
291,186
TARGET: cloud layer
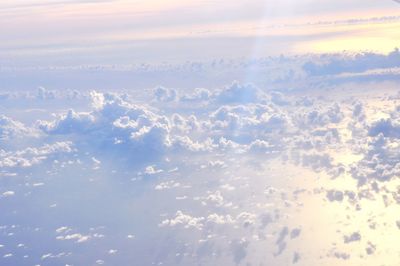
x,y
230,176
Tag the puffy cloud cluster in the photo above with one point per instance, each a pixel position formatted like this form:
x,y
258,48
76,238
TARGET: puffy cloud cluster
x,y
32,156
238,93
142,132
386,127
380,160
236,119
165,95
320,116
10,129
117,125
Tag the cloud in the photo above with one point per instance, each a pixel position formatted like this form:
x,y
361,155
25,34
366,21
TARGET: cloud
x,y
280,242
334,195
380,160
239,250
238,93
8,194
321,116
197,176
10,129
352,238
165,95
386,127
76,237
116,125
278,98
145,134
44,94
296,257
371,248
34,156
199,94
357,64
184,220
71,122
341,255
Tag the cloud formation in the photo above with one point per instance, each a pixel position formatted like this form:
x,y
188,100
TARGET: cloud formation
x,y
226,176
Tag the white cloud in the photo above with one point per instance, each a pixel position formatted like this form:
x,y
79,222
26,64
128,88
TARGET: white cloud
x,y
76,237
165,95
10,128
33,156
184,220
238,93
8,194
380,160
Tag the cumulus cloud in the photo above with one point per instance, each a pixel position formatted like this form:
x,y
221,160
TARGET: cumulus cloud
x,y
119,125
10,128
184,220
199,94
386,127
238,93
321,116
44,94
71,122
165,95
380,160
145,133
33,156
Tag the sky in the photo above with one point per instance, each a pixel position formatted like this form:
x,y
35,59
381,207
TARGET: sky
x,y
54,33
199,132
